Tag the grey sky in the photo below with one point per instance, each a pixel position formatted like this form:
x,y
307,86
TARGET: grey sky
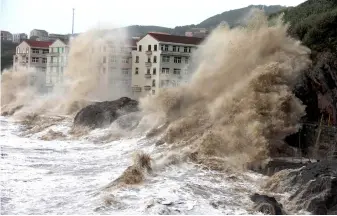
x,y
55,16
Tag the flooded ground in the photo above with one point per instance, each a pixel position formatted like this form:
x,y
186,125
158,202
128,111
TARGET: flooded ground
x,y
66,177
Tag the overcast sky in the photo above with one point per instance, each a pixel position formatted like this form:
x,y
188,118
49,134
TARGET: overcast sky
x,y
55,16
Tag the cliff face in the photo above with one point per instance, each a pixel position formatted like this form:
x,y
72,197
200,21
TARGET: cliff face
x,y
318,89
314,22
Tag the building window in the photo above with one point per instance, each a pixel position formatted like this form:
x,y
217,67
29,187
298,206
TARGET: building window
x,y
164,83
125,71
55,50
148,71
174,49
27,59
176,71
43,69
136,71
113,59
137,59
18,50
166,58
27,50
104,59
16,58
125,60
162,47
35,59
140,48
149,59
35,51
165,70
166,48
45,51
154,71
155,47
154,59
186,60
177,59
153,83
44,60
185,49
178,48
149,48
189,49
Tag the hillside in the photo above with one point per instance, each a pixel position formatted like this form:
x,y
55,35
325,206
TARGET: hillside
x,y
314,22
232,17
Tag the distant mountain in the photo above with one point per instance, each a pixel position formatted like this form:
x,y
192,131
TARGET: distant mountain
x,y
232,17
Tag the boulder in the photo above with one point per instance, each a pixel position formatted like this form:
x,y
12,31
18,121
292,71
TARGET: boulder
x,y
266,204
313,188
102,114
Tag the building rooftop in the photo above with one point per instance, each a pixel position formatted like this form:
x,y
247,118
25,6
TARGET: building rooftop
x,y
41,30
7,32
34,43
176,38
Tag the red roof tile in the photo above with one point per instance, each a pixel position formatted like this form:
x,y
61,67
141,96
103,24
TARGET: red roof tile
x,y
34,43
176,38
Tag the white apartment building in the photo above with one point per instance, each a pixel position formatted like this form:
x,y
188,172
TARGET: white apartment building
x,y
160,61
116,69
56,62
18,38
38,34
32,54
6,36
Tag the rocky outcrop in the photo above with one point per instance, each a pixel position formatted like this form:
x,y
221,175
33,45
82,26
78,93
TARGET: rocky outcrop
x,y
318,89
101,114
313,188
266,204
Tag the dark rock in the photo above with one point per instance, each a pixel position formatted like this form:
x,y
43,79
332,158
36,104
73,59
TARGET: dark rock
x,y
274,165
266,204
313,187
102,114
317,88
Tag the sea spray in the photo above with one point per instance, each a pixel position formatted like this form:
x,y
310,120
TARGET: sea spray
x,y
238,106
86,78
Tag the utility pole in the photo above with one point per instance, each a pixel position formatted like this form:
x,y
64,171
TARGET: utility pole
x,y
72,30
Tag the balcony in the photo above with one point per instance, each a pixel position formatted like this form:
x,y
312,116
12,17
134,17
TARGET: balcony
x,y
175,53
148,64
148,76
52,53
136,89
149,52
147,88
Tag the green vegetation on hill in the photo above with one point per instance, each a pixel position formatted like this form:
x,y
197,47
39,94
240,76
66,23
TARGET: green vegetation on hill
x,y
314,22
232,17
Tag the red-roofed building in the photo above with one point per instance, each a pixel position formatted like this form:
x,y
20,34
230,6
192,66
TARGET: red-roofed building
x,y
33,55
161,61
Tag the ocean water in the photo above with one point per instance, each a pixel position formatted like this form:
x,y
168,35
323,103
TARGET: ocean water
x,y
66,177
